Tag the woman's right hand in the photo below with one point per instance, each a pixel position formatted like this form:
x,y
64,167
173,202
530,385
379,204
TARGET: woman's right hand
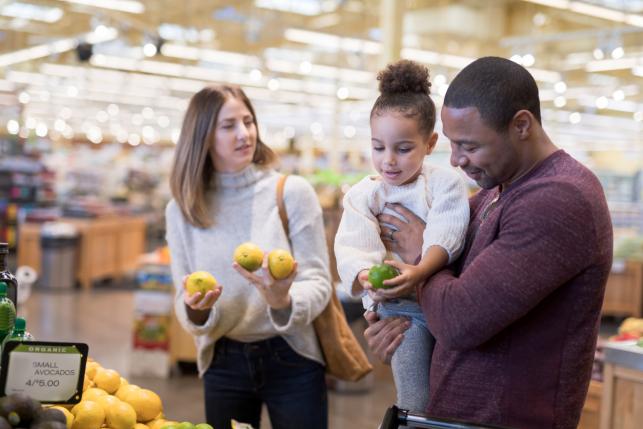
x,y
198,301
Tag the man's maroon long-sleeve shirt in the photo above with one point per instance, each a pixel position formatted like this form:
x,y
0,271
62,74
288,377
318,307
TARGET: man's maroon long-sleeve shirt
x,y
516,328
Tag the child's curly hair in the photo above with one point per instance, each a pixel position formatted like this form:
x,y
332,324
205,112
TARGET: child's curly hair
x,y
405,87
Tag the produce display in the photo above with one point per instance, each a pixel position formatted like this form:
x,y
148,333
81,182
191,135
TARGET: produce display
x,y
108,401
630,330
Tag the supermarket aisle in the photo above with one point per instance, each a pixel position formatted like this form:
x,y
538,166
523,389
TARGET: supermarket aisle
x,y
103,319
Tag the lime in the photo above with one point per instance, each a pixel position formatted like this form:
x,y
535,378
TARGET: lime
x,y
380,272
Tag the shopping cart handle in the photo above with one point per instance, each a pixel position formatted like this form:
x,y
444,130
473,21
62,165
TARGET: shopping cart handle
x,y
396,417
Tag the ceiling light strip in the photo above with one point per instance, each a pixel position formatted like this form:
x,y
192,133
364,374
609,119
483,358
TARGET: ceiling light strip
x,y
593,11
56,47
129,6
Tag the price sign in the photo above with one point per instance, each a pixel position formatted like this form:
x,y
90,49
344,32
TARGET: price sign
x,y
49,372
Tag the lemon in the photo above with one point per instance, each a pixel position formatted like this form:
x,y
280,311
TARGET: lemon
x,y
249,256
200,281
91,368
280,263
141,426
93,393
68,415
87,415
124,390
157,423
107,401
160,423
124,381
146,403
87,383
120,415
108,380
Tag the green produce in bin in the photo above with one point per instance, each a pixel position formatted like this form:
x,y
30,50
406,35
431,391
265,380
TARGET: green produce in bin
x,y
380,272
7,313
640,342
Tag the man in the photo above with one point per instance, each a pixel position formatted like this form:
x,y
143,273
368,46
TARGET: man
x,y
516,319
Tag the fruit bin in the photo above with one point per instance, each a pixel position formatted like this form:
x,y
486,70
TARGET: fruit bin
x,y
108,400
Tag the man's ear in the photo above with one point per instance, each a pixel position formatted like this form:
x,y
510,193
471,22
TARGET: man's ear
x,y
431,142
522,123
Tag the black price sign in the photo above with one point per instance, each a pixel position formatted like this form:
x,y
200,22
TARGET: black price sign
x,y
49,372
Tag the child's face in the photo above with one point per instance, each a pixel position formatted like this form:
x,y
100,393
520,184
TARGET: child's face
x,y
398,147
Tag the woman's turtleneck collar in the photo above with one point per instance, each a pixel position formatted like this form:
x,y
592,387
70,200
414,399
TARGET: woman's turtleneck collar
x,y
239,179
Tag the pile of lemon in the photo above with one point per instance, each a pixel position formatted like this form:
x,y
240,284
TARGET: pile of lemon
x,y
109,401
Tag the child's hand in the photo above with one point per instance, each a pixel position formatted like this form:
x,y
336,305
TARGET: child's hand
x,y
362,279
402,285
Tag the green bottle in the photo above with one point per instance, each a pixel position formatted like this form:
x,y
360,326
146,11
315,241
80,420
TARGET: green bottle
x,y
7,313
19,332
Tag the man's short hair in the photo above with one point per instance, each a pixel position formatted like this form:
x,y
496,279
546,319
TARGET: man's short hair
x,y
498,88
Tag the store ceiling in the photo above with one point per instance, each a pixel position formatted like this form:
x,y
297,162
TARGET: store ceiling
x,y
309,65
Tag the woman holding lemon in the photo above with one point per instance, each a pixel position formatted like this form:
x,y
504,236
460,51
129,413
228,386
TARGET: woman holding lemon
x,y
254,335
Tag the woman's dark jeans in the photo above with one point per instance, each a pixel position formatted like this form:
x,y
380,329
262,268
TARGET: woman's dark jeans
x,y
243,376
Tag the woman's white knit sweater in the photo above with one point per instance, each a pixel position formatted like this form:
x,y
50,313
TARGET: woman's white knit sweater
x,y
243,207
438,196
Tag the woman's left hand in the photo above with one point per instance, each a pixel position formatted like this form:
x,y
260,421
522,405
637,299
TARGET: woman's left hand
x,y
274,292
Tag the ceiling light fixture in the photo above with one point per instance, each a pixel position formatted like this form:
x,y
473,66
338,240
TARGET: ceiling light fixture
x,y
612,64
32,12
593,10
209,55
129,6
56,47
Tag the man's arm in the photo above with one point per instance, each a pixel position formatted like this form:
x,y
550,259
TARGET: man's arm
x,y
540,228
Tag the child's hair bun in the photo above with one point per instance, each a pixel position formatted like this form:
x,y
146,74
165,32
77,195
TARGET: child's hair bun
x,y
404,76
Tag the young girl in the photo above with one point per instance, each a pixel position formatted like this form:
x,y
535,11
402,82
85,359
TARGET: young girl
x,y
402,122
255,340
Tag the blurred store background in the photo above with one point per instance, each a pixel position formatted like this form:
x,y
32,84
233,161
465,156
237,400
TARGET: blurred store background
x,y
92,96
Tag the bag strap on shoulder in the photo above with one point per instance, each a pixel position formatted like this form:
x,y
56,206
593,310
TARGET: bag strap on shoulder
x,y
283,215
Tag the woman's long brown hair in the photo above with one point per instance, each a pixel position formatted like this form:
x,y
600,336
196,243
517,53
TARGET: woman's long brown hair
x,y
193,169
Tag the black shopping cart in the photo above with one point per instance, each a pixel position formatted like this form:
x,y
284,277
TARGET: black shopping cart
x,y
396,417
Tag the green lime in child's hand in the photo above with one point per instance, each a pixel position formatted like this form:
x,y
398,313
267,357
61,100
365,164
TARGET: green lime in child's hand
x,y
380,272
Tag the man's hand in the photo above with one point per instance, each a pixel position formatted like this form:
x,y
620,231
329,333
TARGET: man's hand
x,y
384,336
407,235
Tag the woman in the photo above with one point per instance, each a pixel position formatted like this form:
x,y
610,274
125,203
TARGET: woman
x,y
254,335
